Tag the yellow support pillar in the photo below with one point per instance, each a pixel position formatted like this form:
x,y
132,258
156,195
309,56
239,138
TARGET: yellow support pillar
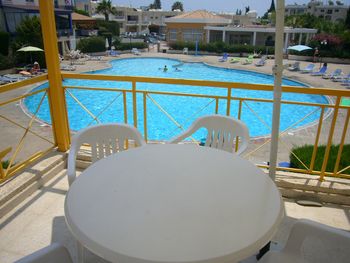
x,y
56,93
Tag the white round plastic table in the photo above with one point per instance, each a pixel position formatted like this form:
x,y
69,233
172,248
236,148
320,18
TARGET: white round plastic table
x,y
173,203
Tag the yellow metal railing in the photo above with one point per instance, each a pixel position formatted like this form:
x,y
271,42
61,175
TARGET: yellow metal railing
x,y
13,165
230,87
328,112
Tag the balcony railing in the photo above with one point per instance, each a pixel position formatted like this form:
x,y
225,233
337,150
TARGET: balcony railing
x,y
135,102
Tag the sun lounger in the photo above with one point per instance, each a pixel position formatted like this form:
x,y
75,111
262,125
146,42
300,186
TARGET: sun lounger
x,y
308,69
235,60
68,68
261,62
135,51
185,51
16,77
341,78
94,58
334,74
77,62
295,66
224,58
114,53
248,60
6,80
321,72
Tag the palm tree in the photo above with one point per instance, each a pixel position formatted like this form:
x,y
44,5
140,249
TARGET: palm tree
x,y
177,5
105,7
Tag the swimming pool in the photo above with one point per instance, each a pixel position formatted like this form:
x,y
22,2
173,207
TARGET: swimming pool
x,y
257,115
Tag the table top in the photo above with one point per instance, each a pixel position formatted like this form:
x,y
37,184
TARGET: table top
x,y
173,203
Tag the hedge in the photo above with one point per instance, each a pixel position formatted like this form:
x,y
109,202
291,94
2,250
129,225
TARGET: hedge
x,y
92,44
221,47
304,153
128,46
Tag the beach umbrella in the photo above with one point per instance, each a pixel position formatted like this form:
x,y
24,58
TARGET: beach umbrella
x,y
299,48
277,92
30,49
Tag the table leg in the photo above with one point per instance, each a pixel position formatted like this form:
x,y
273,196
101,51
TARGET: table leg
x,y
80,252
263,251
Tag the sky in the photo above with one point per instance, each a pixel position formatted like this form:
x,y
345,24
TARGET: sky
x,y
214,5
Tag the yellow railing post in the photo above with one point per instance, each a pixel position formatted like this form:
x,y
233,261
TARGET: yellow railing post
x,y
330,137
56,92
228,109
134,102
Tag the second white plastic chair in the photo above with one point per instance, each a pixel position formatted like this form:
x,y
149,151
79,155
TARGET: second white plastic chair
x,y
312,242
104,140
222,133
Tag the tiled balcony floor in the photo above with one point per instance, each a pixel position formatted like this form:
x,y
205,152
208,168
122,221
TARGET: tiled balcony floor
x,y
39,221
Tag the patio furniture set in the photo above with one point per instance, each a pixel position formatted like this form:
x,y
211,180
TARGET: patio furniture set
x,y
177,202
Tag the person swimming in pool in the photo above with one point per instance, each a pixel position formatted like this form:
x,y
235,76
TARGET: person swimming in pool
x,y
165,69
177,69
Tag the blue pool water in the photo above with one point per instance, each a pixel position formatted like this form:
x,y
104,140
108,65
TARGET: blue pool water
x,y
257,115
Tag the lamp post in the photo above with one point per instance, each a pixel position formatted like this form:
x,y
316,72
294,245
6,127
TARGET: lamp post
x,y
130,40
323,45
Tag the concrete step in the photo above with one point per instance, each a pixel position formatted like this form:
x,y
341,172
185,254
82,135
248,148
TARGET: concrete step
x,y
18,188
308,187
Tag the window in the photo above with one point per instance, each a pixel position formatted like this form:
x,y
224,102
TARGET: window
x,y
329,11
336,10
192,35
322,10
173,35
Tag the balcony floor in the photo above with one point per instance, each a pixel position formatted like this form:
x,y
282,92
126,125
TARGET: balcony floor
x,y
39,221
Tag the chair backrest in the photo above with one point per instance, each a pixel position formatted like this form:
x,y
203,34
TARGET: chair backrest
x,y
55,253
222,132
323,69
104,140
315,242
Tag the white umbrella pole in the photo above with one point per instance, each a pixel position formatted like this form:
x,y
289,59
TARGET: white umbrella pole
x,y
278,68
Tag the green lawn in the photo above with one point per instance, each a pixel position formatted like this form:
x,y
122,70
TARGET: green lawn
x,y
304,153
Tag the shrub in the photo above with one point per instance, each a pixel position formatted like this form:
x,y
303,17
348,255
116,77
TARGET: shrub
x,y
220,47
128,46
4,43
304,153
6,62
92,44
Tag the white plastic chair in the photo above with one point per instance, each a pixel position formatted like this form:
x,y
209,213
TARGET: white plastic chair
x,y
55,253
312,242
104,140
222,132
185,51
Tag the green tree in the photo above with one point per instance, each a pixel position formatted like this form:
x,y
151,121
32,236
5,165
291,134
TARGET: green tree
x,y
156,5
105,7
347,20
247,9
177,6
29,34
